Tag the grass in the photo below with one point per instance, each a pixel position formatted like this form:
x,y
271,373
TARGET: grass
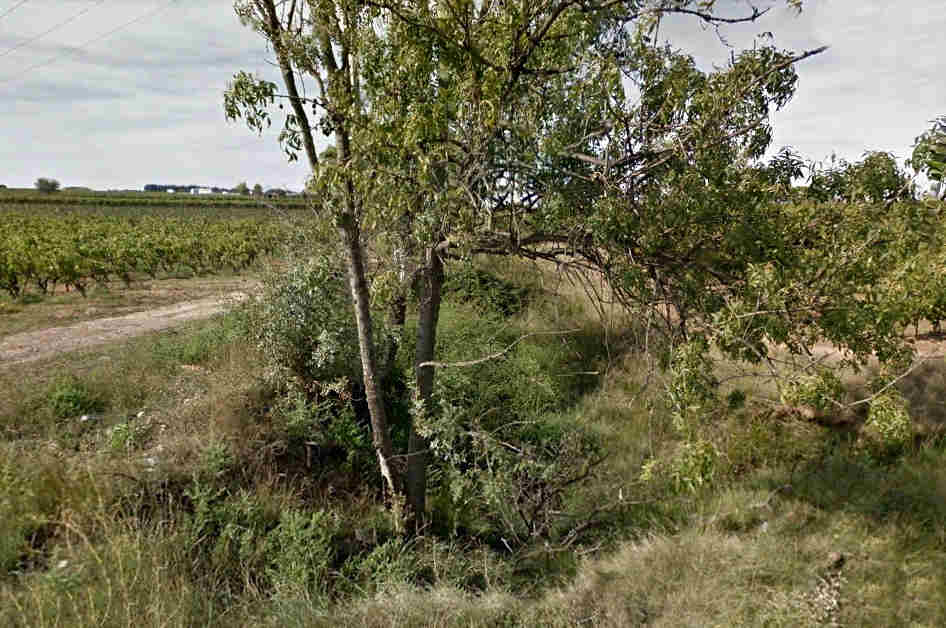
x,y
213,508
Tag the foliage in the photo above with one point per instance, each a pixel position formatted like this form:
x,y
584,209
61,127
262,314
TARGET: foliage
x,y
69,397
821,390
233,536
558,131
929,152
875,179
888,430
469,284
46,185
142,201
73,249
305,329
503,464
691,391
692,466
128,435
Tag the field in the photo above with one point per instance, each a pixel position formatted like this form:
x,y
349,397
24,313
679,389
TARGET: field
x,y
72,241
165,481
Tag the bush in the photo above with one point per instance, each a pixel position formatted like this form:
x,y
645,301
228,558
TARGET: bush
x,y
489,293
305,327
70,397
822,391
691,467
888,429
242,541
502,467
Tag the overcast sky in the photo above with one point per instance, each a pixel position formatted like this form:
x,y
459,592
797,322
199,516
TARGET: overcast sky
x,y
144,104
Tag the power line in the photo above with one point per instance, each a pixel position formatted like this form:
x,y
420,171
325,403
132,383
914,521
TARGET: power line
x,y
85,44
13,8
68,20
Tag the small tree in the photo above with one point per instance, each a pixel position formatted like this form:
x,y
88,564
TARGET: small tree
x,y
46,185
257,190
242,188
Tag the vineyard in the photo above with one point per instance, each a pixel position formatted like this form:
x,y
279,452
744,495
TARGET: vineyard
x,y
77,249
146,203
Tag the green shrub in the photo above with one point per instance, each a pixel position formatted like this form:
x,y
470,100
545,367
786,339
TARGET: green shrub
x,y
691,391
821,390
888,429
304,326
329,425
692,466
69,397
299,552
468,284
236,540
128,436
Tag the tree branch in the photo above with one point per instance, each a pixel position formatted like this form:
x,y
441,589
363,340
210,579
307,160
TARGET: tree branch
x,y
498,354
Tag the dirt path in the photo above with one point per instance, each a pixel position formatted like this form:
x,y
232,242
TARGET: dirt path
x,y
46,343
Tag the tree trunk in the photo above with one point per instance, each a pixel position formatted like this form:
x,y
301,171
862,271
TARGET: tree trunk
x,y
350,233
430,289
380,436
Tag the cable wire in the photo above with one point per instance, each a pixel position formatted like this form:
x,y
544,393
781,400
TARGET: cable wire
x,y
13,8
68,20
85,44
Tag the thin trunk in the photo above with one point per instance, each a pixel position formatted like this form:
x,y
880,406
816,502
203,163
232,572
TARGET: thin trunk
x,y
381,437
351,237
289,79
431,284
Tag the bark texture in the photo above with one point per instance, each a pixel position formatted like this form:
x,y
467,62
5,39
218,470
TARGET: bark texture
x,y
430,291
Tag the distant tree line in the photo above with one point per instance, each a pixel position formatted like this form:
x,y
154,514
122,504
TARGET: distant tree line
x,y
153,187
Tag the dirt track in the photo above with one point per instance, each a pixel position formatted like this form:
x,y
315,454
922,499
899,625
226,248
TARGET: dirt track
x,y
46,343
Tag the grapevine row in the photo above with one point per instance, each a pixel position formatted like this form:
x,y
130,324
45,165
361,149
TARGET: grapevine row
x,y
169,200
75,250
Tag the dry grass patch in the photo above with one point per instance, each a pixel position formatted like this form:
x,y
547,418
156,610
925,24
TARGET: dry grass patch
x,y
37,311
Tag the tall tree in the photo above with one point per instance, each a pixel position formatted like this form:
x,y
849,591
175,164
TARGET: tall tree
x,y
549,129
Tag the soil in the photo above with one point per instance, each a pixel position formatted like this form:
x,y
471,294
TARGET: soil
x,y
29,346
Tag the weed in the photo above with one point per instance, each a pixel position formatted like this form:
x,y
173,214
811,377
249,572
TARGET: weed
x,y
69,396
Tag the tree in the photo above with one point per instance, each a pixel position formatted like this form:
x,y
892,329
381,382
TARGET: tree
x,y
242,188
929,155
257,190
47,185
875,179
552,130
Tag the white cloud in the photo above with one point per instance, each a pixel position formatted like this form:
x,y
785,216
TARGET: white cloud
x,y
145,105
876,88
